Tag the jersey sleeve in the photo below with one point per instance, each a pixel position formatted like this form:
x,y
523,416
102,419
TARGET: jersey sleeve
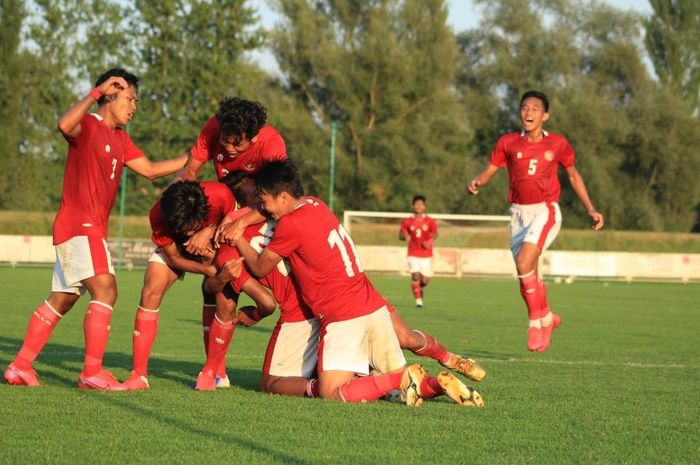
x,y
404,227
131,151
160,235
208,138
286,238
567,156
498,155
275,148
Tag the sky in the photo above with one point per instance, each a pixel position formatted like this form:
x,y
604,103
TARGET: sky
x,y
462,15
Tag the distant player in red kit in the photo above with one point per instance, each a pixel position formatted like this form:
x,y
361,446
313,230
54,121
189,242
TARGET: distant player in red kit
x,y
419,230
355,323
98,149
533,157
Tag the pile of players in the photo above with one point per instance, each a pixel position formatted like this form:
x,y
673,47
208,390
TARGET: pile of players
x,y
256,231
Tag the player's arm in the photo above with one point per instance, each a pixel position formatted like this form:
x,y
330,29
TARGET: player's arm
x,y
230,232
402,232
481,179
259,264
579,187
191,170
155,169
69,123
175,260
229,272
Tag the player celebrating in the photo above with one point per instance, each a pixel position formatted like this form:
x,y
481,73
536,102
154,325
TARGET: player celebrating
x,y
184,208
355,323
420,231
98,149
532,157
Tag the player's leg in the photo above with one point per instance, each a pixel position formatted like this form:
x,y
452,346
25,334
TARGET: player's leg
x,y
426,273
548,320
291,358
416,289
222,328
157,279
425,345
208,313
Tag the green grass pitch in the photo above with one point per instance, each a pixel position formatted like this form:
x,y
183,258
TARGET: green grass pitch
x,y
619,385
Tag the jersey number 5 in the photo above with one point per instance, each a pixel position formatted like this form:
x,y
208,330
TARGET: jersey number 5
x,y
340,238
532,167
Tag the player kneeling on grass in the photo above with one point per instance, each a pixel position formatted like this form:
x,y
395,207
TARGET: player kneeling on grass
x,y
98,149
533,156
355,323
184,209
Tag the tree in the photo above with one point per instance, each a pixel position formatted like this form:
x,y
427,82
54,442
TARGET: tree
x,y
383,70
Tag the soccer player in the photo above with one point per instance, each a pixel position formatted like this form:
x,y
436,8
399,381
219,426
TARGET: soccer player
x,y
98,149
184,208
356,329
420,231
533,156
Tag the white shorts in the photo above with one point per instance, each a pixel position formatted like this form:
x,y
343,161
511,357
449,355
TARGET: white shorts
x,y
77,259
157,257
293,349
422,265
538,223
355,345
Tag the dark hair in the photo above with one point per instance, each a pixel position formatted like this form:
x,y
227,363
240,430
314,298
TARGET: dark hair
x,y
280,176
185,206
130,79
238,117
536,94
418,197
234,181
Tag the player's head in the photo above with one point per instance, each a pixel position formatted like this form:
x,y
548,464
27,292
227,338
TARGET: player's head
x,y
279,187
240,121
418,204
243,187
123,103
534,110
185,207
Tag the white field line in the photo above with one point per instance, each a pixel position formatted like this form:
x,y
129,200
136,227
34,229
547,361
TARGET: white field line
x,y
183,356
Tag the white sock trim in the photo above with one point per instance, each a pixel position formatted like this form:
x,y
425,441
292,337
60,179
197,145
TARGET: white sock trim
x,y
222,322
521,276
97,302
148,309
52,309
534,323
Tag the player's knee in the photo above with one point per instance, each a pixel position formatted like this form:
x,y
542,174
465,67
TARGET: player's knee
x,y
151,297
267,384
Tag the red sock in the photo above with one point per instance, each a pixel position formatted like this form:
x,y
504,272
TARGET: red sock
x,y
432,349
41,325
415,286
96,330
220,336
368,388
145,330
311,388
544,305
430,388
529,289
208,312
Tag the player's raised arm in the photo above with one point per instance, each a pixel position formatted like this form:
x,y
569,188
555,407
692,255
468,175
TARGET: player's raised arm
x,y
579,187
481,179
69,123
191,170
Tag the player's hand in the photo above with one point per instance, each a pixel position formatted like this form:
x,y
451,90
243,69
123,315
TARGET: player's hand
x,y
598,221
247,316
113,85
229,233
200,242
473,186
231,269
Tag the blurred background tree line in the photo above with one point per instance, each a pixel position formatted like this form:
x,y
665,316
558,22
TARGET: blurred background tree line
x,y
418,106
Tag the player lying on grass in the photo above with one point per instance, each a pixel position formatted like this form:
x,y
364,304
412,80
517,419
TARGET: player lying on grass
x,y
98,149
291,355
185,208
355,323
532,157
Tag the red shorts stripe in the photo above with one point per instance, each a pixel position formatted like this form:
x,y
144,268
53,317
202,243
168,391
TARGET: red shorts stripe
x,y
551,220
98,255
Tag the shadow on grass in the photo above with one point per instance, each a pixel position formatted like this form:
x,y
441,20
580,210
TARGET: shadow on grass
x,y
256,329
61,358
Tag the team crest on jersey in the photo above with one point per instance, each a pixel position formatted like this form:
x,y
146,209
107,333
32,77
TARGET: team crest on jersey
x,y
249,166
220,157
108,148
519,155
549,155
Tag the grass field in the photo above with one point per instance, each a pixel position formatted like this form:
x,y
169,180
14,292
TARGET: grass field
x,y
618,385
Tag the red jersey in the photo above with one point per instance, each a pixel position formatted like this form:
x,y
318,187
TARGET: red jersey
x,y
91,178
220,200
324,263
532,166
269,146
419,232
292,307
